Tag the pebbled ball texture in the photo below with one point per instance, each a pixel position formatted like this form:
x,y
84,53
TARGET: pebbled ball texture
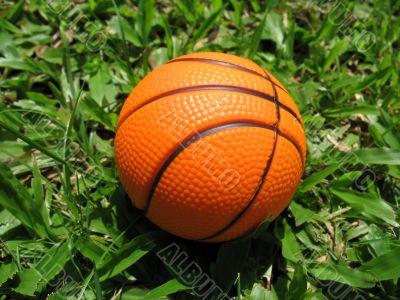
x,y
209,145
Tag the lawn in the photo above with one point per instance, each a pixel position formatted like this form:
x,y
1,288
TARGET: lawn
x,y
67,228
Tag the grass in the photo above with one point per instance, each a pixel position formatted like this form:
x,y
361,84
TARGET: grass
x,y
67,229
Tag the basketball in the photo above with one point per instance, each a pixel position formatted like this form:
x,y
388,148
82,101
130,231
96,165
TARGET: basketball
x,y
209,145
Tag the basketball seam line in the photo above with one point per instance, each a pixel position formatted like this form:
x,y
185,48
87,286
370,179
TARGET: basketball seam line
x,y
229,88
191,139
226,64
263,176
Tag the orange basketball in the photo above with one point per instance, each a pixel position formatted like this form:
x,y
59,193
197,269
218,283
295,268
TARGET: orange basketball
x,y
209,145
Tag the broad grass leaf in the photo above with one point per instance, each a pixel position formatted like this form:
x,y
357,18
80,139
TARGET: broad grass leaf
x,y
54,55
298,285
394,171
204,28
57,94
345,82
159,56
238,10
124,30
97,285
93,111
28,282
356,232
11,149
257,6
379,156
217,4
378,241
316,178
341,273
37,277
326,30
306,238
39,195
290,247
53,262
168,288
7,45
189,10
289,40
90,249
7,271
349,111
101,86
41,99
7,222
274,29
378,78
16,12
16,199
168,37
19,64
144,24
369,206
384,267
339,48
135,294
347,179
385,135
10,27
256,38
302,214
68,83
261,293
124,257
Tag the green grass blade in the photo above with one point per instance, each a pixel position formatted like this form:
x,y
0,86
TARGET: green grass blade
x,y
7,222
349,111
259,292
146,12
342,274
168,37
384,267
34,279
256,38
366,205
379,78
38,195
124,257
33,143
316,178
204,28
298,285
16,199
238,11
7,271
290,247
17,11
166,289
379,156
337,50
